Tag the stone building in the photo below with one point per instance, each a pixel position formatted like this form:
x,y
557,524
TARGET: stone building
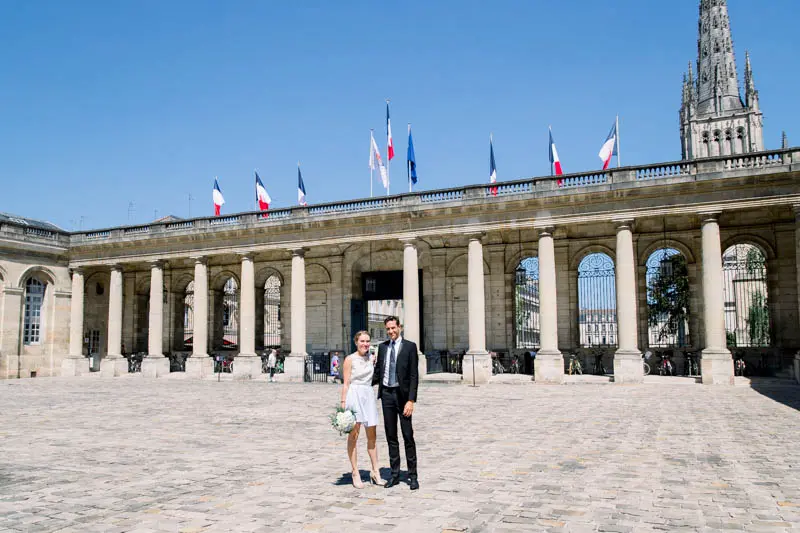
x,y
303,278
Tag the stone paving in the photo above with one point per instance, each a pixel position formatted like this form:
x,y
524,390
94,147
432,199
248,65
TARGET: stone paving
x,y
138,455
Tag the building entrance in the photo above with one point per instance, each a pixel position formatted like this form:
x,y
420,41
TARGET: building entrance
x,y
382,296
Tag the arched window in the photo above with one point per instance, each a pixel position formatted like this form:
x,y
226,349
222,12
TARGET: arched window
x,y
597,297
272,312
729,148
715,144
230,314
740,141
744,286
667,299
704,146
526,303
188,316
34,299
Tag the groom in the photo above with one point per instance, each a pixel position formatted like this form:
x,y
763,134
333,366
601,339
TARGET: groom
x,y
397,376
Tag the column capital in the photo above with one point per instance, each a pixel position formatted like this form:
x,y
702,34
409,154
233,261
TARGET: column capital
x,y
545,231
709,216
199,259
299,251
409,241
623,223
476,236
77,270
157,263
246,255
115,266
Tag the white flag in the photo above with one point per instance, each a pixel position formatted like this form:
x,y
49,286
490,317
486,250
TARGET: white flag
x,y
375,155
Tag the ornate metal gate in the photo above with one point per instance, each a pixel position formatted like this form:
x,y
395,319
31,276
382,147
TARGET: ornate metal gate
x,y
526,304
667,299
597,301
744,283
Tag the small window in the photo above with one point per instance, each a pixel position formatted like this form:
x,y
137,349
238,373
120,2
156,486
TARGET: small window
x,y
99,289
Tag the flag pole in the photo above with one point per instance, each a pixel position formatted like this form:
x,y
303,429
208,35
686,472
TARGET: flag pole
x,y
550,148
619,163
408,163
371,165
388,159
255,186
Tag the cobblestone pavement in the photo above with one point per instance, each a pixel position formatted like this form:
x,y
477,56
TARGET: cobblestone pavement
x,y
137,455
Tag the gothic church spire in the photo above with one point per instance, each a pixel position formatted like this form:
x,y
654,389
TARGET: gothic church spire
x,y
717,84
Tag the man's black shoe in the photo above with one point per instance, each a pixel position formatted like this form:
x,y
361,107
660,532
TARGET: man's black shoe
x,y
414,484
392,482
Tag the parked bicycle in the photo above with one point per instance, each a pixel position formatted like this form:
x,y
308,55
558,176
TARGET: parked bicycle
x,y
691,368
224,364
645,367
739,366
574,365
665,367
514,367
598,369
135,362
497,366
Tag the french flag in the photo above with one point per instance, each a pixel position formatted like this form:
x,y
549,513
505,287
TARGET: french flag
x,y
609,148
389,143
301,188
218,199
554,160
262,196
492,168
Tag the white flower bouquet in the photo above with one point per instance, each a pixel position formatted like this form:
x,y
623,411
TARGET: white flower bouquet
x,y
343,420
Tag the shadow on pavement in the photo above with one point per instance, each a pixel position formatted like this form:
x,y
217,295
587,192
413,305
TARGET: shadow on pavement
x,y
784,391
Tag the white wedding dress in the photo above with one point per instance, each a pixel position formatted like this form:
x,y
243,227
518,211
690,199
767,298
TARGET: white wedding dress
x,y
360,395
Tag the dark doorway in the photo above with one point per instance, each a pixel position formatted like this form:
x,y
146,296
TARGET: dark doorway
x,y
381,286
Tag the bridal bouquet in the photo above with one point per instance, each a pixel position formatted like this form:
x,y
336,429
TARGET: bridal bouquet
x,y
343,420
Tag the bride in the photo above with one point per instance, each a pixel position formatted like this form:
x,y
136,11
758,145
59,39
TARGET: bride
x,y
357,394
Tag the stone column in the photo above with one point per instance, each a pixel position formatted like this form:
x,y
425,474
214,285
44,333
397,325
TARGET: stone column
x,y
293,365
628,366
247,364
477,365
75,363
797,269
411,328
155,364
200,365
114,364
716,364
548,367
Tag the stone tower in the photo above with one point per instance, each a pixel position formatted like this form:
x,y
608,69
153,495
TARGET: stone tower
x,y
715,120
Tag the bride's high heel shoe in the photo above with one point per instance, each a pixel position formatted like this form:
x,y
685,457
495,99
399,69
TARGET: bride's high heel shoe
x,y
357,483
375,478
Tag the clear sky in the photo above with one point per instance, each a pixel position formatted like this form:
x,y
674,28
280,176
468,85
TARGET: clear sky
x,y
106,105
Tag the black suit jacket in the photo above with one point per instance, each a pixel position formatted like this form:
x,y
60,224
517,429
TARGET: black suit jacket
x,y
407,369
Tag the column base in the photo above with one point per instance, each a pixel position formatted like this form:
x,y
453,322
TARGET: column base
x,y
628,367
113,366
154,366
548,367
422,367
294,367
246,366
797,367
716,366
199,366
75,365
482,368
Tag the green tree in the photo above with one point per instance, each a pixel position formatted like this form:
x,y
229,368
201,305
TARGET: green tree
x,y
758,320
668,298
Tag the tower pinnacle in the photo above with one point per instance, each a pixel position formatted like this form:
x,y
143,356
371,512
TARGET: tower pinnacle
x,y
718,86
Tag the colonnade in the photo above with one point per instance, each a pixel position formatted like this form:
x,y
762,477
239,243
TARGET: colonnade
x,y
717,366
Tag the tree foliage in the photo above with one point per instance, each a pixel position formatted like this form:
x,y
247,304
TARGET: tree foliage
x,y
758,320
668,298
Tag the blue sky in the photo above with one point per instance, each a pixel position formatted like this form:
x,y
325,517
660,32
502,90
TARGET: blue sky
x,y
105,104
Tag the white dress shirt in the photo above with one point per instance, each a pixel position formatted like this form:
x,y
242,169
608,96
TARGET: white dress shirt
x,y
388,359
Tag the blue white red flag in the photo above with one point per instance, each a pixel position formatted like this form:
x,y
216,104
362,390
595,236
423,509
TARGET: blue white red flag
x,y
218,199
262,196
609,148
389,143
301,188
492,167
554,160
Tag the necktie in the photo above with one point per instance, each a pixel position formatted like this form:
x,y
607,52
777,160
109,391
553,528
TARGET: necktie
x,y
392,367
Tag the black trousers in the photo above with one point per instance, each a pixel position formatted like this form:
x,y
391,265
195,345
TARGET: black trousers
x,y
392,410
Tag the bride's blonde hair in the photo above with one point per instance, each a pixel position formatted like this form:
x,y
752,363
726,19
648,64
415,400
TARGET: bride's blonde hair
x,y
357,335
